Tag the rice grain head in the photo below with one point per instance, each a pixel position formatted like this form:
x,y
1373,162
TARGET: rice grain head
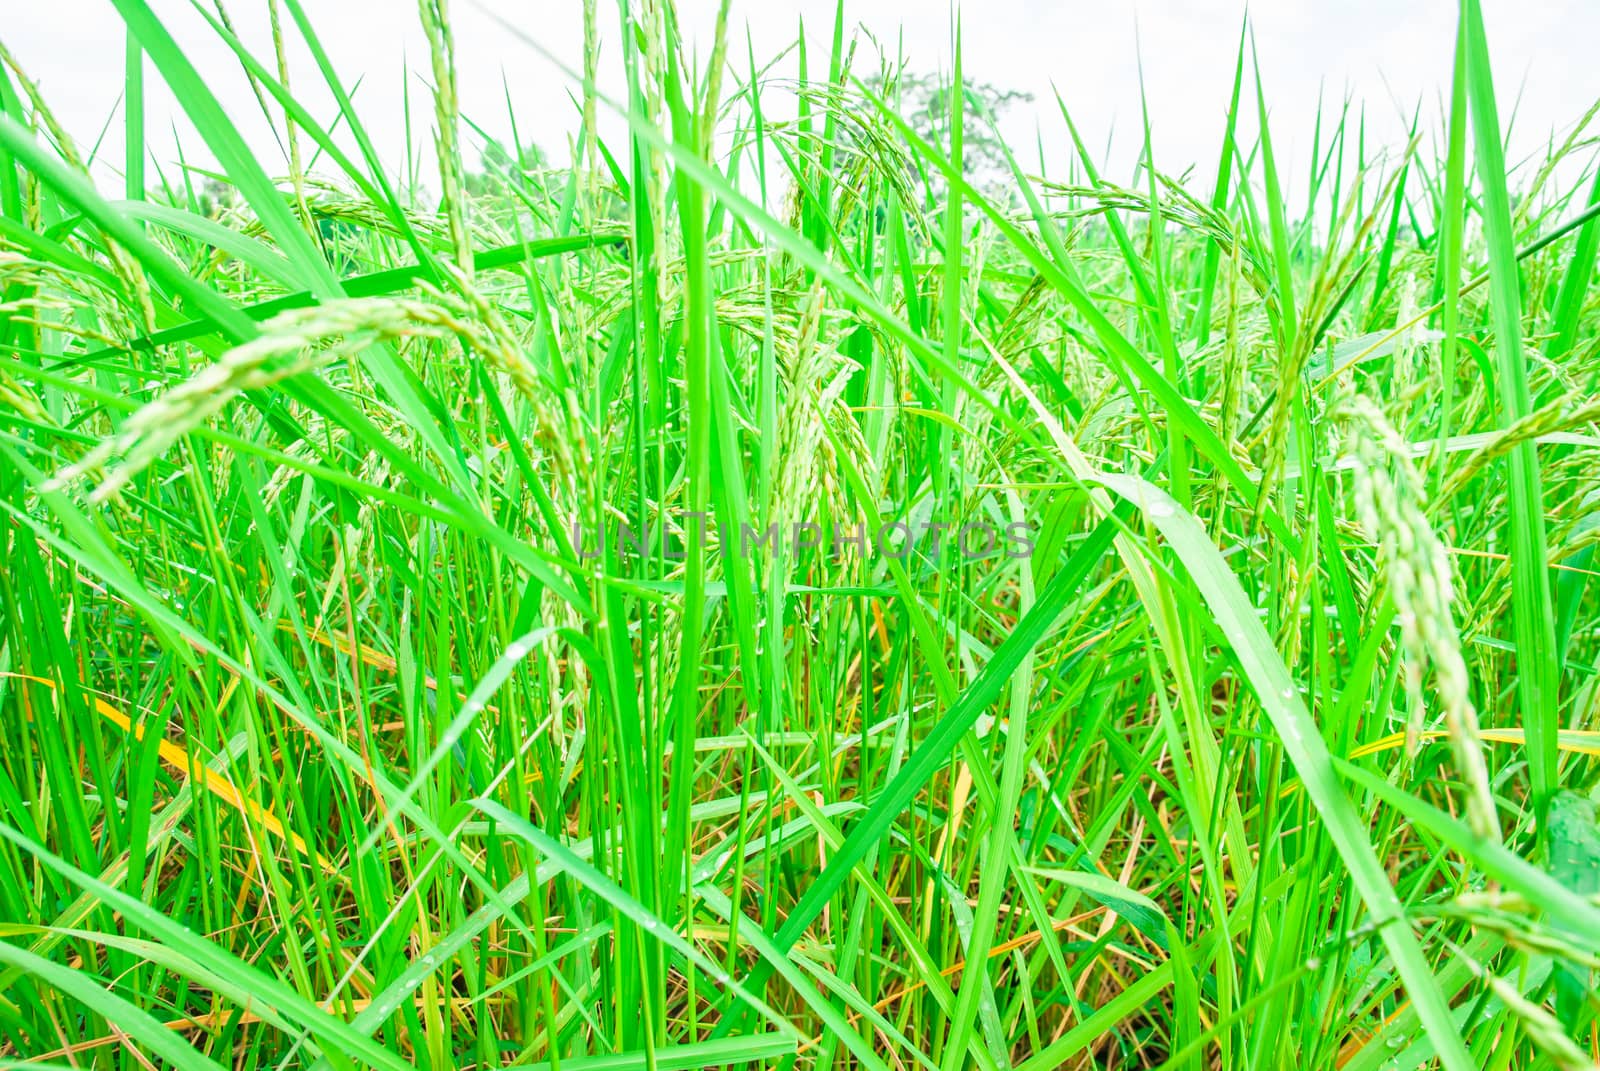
x,y
291,343
1390,504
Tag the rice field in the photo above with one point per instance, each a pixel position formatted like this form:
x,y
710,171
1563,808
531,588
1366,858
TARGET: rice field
x,y
794,586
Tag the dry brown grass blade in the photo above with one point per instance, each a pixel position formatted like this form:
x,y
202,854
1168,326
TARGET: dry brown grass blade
x,y
219,786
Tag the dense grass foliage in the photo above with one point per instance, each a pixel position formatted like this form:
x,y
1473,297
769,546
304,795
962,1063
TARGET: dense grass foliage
x,y
333,734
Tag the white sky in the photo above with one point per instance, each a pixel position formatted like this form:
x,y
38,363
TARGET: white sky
x,y
1388,53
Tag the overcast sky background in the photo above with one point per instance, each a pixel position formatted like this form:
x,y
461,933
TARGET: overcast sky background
x,y
1389,54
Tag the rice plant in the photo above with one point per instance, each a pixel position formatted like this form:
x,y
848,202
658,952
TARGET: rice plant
x,y
794,586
